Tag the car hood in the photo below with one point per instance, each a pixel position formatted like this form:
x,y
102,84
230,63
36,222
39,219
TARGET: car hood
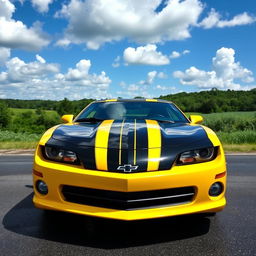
x,y
140,139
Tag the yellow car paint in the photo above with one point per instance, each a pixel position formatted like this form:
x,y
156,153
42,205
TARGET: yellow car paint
x,y
200,176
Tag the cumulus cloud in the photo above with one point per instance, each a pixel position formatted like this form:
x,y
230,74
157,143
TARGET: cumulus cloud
x,y
214,20
224,74
162,75
113,20
15,34
40,59
44,81
6,9
41,5
150,78
140,88
18,71
166,88
116,62
145,55
4,54
175,54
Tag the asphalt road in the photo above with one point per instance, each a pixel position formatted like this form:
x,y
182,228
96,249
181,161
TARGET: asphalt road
x,y
28,231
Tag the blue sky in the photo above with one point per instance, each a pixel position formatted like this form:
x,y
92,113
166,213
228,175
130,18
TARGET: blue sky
x,y
52,49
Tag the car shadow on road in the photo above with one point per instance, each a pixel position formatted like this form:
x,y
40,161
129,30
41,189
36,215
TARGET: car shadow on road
x,y
62,227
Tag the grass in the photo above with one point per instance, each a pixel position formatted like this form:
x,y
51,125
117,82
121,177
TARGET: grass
x,y
238,137
17,111
12,140
238,114
9,136
18,145
239,148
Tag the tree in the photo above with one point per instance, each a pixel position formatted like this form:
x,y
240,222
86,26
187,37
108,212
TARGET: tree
x,y
5,116
65,107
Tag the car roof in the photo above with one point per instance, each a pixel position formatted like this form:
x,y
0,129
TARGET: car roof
x,y
133,100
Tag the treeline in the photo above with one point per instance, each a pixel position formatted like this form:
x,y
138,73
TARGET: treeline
x,y
204,102
64,106
214,101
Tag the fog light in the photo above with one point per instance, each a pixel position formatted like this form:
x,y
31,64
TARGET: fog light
x,y
41,187
215,189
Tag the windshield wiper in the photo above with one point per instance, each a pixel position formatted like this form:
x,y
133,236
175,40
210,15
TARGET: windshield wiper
x,y
90,120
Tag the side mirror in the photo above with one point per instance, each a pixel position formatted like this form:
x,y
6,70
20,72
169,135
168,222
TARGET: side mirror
x,y
196,119
67,118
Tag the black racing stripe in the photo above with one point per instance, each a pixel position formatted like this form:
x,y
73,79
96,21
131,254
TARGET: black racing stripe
x,y
89,158
124,157
166,160
142,134
131,141
113,156
142,145
114,134
88,155
113,145
128,134
125,145
142,159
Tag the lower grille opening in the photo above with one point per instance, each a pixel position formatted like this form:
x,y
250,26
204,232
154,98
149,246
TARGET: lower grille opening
x,y
128,200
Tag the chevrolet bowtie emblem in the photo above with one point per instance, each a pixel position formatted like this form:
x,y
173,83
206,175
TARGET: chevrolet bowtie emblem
x,y
127,168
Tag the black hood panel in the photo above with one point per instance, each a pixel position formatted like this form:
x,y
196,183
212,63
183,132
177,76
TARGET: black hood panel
x,y
175,139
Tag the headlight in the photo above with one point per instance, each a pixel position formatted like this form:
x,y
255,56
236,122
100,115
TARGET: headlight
x,y
197,156
60,155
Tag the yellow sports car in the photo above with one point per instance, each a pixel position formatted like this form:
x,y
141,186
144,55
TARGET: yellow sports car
x,y
130,160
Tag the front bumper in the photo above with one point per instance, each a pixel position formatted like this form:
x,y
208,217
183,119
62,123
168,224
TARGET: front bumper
x,y
200,176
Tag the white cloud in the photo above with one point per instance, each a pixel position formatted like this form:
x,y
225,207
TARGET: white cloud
x,y
214,20
6,9
80,72
15,34
41,5
116,62
114,20
133,88
4,54
186,52
142,88
40,59
175,54
166,89
225,73
145,55
63,42
42,80
162,75
18,71
150,78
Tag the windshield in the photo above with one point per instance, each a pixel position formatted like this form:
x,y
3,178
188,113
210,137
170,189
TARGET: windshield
x,y
132,110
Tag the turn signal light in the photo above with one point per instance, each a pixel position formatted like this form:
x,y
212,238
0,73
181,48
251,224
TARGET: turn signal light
x,y
39,174
220,175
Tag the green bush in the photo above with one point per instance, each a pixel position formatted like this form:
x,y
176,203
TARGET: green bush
x,y
238,137
231,121
13,136
34,122
4,115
